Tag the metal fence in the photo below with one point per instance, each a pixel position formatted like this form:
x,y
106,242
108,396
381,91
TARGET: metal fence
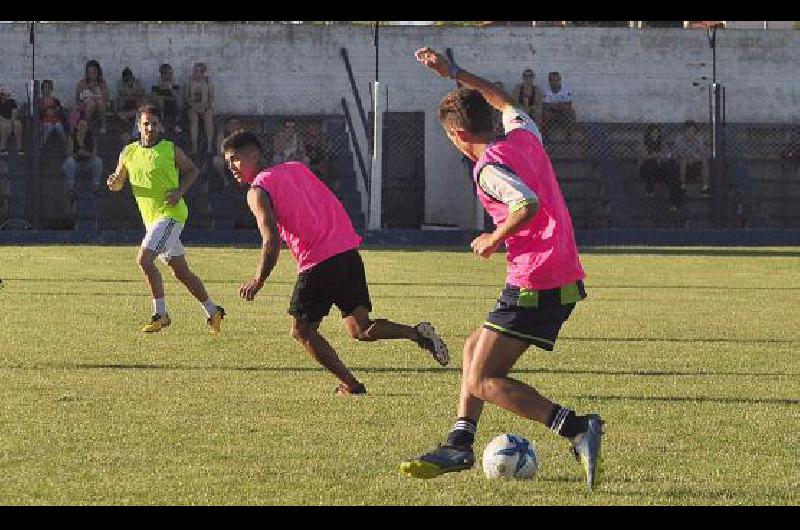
x,y
613,175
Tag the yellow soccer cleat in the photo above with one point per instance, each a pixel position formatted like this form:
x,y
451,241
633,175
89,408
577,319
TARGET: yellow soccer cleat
x,y
215,320
157,323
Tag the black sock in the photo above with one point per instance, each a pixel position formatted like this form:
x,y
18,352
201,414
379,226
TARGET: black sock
x,y
564,422
463,432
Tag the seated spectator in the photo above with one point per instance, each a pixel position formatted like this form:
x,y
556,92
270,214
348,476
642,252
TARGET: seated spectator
x,y
286,144
557,107
660,165
529,96
167,95
10,123
130,95
692,153
91,94
318,155
231,125
199,96
52,114
81,154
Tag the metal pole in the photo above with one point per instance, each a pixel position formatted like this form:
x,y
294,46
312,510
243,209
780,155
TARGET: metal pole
x,y
377,25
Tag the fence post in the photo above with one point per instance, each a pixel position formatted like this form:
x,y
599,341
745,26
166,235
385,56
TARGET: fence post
x,y
376,180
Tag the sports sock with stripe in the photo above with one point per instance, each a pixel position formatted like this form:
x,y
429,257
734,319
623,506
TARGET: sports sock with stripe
x,y
463,432
566,423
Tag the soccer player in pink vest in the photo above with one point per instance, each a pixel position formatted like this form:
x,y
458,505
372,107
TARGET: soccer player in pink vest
x,y
516,184
289,202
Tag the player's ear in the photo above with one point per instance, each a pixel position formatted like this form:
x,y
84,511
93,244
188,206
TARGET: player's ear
x,y
463,135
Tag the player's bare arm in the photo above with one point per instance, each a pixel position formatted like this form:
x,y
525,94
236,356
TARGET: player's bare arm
x,y
188,172
270,242
487,244
117,179
494,95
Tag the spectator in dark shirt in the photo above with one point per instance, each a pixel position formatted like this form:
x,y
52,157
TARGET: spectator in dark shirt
x,y
167,94
660,165
52,114
82,153
130,95
9,122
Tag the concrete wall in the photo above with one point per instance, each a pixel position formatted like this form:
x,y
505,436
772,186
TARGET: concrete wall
x,y
618,74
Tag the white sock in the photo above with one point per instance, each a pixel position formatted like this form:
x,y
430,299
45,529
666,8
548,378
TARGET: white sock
x,y
209,307
159,306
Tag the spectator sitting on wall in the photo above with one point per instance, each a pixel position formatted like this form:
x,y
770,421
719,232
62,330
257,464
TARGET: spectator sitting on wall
x,y
167,95
52,114
286,144
91,94
130,95
200,105
9,122
82,153
529,96
660,165
231,125
557,109
692,152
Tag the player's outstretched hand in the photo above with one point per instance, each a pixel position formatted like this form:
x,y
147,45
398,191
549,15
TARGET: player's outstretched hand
x,y
484,245
433,60
248,290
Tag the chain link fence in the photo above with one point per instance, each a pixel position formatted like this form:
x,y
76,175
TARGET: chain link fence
x,y
613,175
57,181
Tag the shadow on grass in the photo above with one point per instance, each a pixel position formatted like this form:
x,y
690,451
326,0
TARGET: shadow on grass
x,y
392,370
696,399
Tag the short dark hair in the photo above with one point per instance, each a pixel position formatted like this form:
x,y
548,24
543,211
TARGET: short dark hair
x,y
690,123
147,108
466,108
163,67
241,139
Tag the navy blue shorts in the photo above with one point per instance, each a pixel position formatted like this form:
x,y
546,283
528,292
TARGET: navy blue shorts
x,y
534,316
339,280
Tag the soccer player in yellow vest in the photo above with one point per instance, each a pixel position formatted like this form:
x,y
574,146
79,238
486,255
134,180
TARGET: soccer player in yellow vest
x,y
152,164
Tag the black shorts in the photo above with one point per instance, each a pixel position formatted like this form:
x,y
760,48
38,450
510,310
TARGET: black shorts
x,y
534,316
339,280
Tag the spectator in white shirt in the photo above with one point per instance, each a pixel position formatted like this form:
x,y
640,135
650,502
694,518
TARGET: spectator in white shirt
x,y
557,110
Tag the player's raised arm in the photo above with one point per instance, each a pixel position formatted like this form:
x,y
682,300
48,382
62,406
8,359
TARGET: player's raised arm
x,y
259,204
494,95
116,180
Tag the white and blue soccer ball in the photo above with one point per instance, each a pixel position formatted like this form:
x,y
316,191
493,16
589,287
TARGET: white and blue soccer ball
x,y
510,456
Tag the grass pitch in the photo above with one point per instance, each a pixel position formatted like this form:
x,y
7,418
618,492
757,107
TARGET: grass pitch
x,y
690,355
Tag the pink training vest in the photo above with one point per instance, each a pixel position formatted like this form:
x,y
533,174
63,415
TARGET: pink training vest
x,y
543,255
310,217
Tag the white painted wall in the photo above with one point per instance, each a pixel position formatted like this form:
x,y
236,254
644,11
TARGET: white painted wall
x,y
618,74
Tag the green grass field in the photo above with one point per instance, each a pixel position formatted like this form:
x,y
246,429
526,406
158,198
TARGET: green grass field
x,y
691,356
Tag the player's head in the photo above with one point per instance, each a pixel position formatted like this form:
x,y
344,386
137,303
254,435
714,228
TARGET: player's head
x,y
467,119
243,154
148,120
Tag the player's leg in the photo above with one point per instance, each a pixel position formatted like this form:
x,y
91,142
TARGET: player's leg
x,y
146,260
307,334
193,128
311,301
484,358
208,119
5,132
351,296
157,237
176,259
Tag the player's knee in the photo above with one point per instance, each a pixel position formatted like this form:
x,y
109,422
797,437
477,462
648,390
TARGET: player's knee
x,y
480,387
361,332
300,333
144,260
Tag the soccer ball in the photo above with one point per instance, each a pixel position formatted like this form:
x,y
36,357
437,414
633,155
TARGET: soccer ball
x,y
510,456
